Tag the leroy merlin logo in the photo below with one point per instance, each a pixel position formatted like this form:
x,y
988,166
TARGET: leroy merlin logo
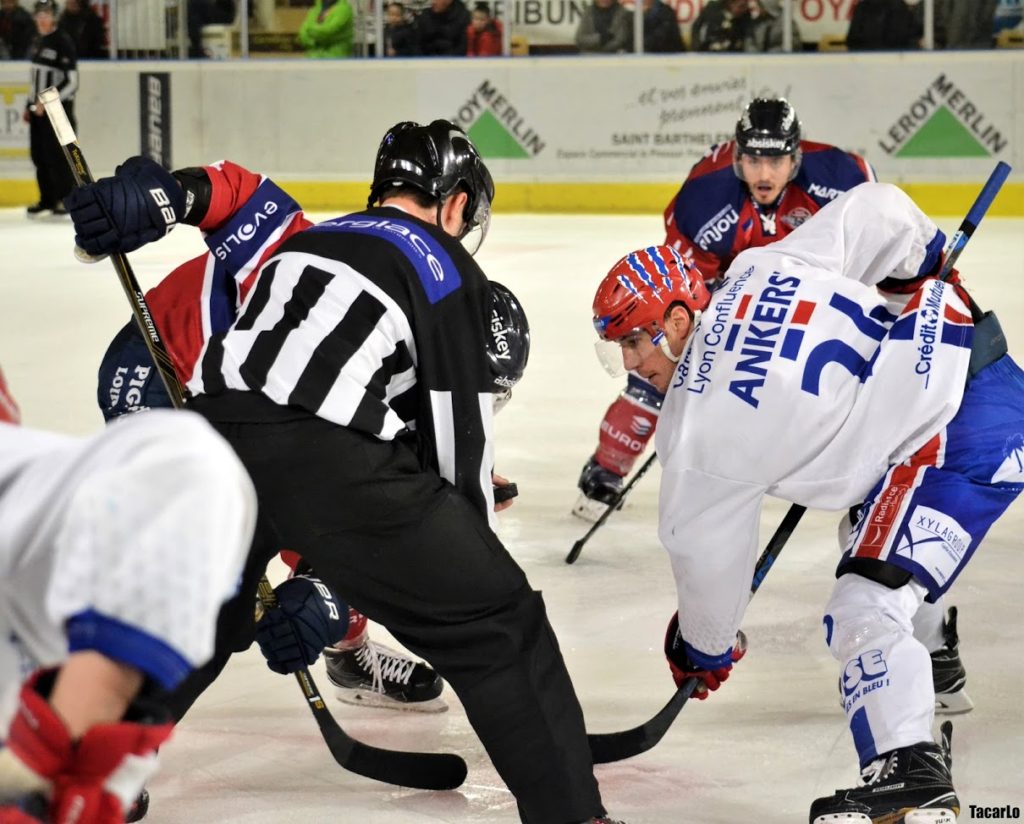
x,y
496,127
943,122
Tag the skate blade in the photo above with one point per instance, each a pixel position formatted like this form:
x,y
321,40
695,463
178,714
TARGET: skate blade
x,y
588,510
370,698
953,703
936,816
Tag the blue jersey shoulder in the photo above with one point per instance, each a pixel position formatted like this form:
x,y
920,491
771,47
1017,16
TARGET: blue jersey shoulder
x,y
826,172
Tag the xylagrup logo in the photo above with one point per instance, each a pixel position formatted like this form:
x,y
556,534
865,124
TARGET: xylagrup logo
x,y
943,122
496,126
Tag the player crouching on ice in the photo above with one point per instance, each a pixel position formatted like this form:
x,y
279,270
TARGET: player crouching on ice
x,y
802,377
105,543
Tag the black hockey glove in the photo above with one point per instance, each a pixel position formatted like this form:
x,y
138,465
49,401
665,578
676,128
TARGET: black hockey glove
x,y
141,203
309,617
710,674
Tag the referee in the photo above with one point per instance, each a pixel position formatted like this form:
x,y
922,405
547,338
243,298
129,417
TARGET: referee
x,y
54,63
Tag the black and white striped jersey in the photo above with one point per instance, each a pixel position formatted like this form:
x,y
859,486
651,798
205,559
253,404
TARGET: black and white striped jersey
x,y
375,321
55,63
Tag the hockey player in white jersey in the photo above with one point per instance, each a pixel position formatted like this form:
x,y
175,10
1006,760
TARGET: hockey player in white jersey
x,y
773,383
116,553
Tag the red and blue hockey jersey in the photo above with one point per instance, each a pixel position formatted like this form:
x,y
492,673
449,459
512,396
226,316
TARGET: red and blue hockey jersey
x,y
713,216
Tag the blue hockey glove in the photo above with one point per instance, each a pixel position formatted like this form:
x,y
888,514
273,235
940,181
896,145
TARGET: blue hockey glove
x,y
141,203
710,673
309,617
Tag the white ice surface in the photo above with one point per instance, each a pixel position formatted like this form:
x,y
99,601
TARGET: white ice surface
x,y
760,750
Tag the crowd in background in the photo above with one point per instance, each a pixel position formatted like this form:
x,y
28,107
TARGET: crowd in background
x,y
450,27
79,19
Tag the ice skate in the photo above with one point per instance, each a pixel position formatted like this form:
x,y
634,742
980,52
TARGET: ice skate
x,y
948,673
39,209
910,785
140,806
373,675
600,488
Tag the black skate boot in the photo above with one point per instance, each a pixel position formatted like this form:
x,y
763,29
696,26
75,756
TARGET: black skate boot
x,y
39,209
600,487
137,811
948,673
911,785
375,676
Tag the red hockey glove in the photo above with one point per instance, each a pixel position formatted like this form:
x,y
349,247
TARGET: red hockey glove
x,y
8,408
94,779
679,655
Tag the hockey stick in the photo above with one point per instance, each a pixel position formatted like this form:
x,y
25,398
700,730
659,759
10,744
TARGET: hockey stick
x,y
617,746
427,771
577,547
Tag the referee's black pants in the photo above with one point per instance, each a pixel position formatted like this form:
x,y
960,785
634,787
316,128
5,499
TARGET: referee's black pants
x,y
404,548
52,173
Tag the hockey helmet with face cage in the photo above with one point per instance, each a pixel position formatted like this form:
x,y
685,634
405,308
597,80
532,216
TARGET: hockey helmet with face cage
x,y
439,159
508,342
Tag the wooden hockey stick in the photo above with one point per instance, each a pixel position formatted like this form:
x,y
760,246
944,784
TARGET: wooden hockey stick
x,y
427,771
577,547
617,746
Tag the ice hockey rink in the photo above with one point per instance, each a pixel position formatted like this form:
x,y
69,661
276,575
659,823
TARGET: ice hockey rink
x,y
768,743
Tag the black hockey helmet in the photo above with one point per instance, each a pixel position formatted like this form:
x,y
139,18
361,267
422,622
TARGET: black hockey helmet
x,y
438,159
768,127
508,342
45,5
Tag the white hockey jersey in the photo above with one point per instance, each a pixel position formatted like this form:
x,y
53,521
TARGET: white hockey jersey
x,y
127,543
803,382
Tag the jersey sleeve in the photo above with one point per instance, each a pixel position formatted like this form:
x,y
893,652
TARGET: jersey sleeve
x,y
871,232
710,526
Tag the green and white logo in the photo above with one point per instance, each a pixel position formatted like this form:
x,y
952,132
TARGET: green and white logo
x,y
943,122
496,126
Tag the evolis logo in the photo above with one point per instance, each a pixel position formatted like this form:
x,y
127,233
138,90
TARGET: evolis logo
x,y
497,126
246,231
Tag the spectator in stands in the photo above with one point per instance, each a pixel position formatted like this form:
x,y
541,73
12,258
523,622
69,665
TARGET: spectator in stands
x,y
722,25
605,28
206,13
765,28
883,25
17,29
328,29
86,27
661,28
1009,14
965,24
442,27
400,38
483,37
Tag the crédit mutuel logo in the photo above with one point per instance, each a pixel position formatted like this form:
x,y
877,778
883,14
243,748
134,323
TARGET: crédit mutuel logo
x,y
943,122
497,126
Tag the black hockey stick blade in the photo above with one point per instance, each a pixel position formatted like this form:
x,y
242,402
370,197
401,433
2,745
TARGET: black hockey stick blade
x,y
577,547
422,771
617,746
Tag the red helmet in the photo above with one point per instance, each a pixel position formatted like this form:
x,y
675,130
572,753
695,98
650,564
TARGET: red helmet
x,y
639,290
